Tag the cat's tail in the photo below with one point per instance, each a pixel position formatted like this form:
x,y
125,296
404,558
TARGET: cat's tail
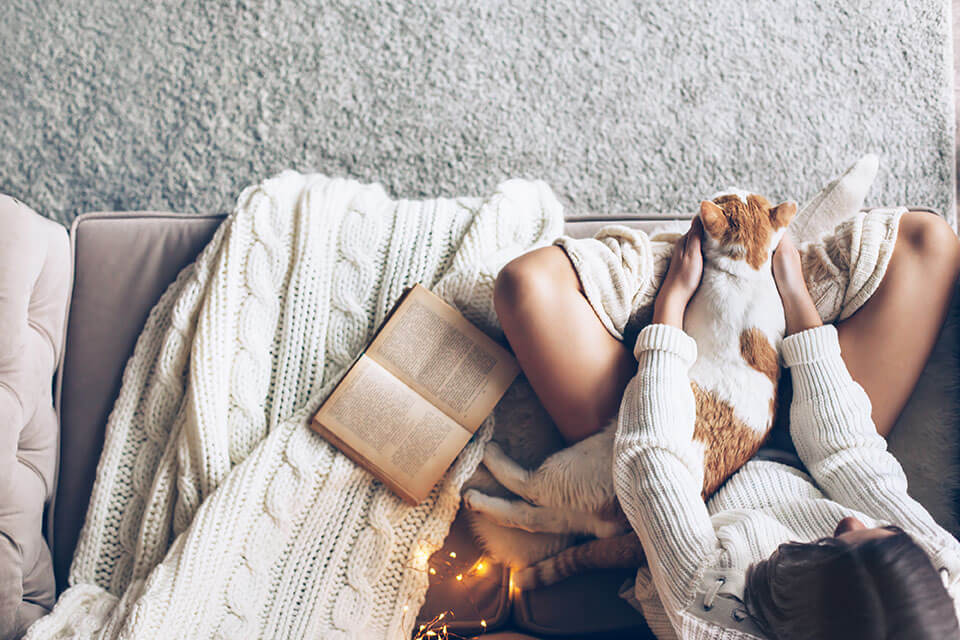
x,y
603,553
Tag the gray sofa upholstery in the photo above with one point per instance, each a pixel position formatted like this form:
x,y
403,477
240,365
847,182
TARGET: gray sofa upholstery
x,y
122,265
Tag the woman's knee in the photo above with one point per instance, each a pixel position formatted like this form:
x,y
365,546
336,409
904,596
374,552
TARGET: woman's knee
x,y
532,277
930,243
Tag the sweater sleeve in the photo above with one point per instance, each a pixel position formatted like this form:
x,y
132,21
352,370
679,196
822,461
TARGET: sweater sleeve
x,y
832,428
658,468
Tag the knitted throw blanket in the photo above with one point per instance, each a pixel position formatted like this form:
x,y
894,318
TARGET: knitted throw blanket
x,y
216,512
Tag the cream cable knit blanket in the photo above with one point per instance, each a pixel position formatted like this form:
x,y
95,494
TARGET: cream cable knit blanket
x,y
216,512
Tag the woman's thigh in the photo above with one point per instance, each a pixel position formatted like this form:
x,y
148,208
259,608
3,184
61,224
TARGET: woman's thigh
x,y
887,341
577,369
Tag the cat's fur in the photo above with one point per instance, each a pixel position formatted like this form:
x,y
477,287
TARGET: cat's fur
x,y
736,318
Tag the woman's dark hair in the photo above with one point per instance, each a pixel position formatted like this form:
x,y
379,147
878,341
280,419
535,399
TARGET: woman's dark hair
x,y
879,589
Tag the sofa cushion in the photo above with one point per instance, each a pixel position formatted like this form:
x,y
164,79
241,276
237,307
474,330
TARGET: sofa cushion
x,y
481,596
123,263
34,286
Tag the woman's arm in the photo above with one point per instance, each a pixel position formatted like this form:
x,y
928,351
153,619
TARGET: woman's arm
x,y
837,440
658,471
830,417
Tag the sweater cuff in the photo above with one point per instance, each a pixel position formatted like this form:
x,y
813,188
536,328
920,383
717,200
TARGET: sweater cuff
x,y
816,368
664,337
810,345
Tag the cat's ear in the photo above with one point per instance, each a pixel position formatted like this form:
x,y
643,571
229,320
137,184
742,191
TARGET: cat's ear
x,y
782,214
713,219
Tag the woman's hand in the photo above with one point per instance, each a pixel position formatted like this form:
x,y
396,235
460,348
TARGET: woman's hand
x,y
798,308
682,279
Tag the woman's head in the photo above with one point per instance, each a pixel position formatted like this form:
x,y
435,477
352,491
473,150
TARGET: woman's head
x,y
874,584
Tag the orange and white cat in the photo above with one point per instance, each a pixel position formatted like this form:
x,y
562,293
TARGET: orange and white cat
x,y
736,318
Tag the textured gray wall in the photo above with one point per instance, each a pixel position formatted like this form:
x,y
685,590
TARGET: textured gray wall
x,y
620,106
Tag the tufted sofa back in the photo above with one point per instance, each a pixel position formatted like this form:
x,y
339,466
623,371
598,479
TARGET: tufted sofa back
x,y
34,287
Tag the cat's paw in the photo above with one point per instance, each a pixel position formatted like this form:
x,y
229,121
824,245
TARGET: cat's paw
x,y
472,498
493,455
497,509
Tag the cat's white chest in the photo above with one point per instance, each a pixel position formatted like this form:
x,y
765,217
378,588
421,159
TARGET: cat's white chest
x,y
723,307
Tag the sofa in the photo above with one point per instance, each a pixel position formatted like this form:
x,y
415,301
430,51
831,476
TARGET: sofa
x,y
121,264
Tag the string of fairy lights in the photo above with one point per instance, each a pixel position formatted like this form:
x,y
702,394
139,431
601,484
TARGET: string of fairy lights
x,y
438,627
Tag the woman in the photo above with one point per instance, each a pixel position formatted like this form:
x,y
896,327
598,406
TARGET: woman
x,y
841,553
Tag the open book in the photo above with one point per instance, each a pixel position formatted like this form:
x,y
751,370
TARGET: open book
x,y
410,402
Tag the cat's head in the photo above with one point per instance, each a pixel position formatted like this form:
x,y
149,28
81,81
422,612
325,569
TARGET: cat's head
x,y
743,226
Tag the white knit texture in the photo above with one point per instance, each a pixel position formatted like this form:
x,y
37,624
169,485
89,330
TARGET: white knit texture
x,y
840,199
765,503
216,511
621,268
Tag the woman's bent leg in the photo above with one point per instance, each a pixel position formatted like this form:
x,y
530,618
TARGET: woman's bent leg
x,y
577,369
887,341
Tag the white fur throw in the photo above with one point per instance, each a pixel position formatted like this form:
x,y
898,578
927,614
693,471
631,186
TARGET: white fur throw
x,y
216,512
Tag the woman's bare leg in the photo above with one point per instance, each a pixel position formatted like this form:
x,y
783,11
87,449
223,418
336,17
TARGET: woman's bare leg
x,y
577,369
886,342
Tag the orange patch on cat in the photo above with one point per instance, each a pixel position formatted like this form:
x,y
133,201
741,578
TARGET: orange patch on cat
x,y
728,441
729,444
759,353
749,224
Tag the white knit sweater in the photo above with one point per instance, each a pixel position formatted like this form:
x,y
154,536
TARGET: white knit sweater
x,y
698,553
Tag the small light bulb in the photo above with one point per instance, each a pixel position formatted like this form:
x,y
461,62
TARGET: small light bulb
x,y
459,576
483,623
433,571
453,554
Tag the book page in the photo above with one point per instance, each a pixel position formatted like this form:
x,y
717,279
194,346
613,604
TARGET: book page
x,y
388,428
430,346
